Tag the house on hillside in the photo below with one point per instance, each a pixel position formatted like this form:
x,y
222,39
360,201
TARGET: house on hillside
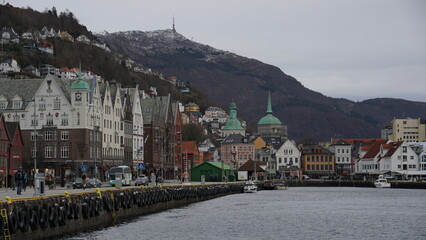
x,y
27,36
83,39
66,36
9,65
8,35
31,69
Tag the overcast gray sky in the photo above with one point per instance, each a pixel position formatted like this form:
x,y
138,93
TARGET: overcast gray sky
x,y
352,49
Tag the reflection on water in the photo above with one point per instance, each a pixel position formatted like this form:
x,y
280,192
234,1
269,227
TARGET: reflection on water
x,y
298,213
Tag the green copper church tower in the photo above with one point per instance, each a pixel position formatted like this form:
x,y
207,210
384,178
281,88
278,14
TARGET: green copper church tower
x,y
269,125
233,125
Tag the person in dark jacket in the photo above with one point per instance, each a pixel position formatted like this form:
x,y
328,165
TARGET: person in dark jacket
x,y
18,180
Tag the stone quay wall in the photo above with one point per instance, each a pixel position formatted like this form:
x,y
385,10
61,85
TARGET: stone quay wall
x,y
50,217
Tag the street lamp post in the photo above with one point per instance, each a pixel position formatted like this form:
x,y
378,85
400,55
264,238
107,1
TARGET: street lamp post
x,y
35,143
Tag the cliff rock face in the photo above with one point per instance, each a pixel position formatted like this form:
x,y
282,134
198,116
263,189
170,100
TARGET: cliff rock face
x,y
224,76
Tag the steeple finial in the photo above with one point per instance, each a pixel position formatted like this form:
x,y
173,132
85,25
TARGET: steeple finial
x,y
269,109
174,29
80,77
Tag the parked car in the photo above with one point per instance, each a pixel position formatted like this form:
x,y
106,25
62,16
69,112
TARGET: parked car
x,y
142,180
78,183
94,183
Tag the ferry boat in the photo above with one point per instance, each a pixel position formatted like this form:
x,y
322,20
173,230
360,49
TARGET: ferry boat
x,y
382,182
250,187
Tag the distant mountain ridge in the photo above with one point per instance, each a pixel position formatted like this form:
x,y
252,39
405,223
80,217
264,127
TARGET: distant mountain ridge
x,y
224,76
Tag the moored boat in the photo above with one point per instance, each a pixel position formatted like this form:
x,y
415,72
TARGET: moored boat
x,y
250,187
382,182
283,185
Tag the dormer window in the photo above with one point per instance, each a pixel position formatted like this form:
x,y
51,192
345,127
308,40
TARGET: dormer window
x,y
3,104
17,104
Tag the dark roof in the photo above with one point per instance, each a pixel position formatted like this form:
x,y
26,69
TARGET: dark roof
x,y
234,139
340,142
11,129
250,166
273,141
24,88
310,150
155,109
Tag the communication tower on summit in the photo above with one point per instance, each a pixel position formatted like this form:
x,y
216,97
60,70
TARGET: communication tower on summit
x,y
174,29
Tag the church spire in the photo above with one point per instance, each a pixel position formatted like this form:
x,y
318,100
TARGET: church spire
x,y
269,109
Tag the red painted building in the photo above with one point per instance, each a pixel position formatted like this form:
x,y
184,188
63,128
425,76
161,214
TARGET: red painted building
x,y
4,146
15,147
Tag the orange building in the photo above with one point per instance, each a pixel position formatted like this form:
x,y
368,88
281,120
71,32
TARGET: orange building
x,y
317,161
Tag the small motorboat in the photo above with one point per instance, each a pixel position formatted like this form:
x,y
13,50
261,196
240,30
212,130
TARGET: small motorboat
x,y
382,182
269,185
250,187
282,185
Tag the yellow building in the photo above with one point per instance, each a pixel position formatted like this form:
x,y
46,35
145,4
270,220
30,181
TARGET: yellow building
x,y
317,161
411,130
192,107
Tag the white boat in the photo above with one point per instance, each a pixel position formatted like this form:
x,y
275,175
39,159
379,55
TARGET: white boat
x,y
382,182
250,187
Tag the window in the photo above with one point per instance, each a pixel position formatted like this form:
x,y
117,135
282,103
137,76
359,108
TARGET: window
x,y
285,160
404,158
3,104
296,160
279,160
57,104
412,157
64,119
404,149
64,135
48,135
16,118
48,151
49,119
42,104
17,104
308,167
78,118
64,152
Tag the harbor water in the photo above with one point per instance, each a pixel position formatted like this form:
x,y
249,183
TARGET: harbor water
x,y
297,213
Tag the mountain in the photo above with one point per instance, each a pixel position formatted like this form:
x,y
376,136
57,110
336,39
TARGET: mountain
x,y
224,76
71,54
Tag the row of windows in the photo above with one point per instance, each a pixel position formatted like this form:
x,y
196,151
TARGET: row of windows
x,y
56,104
343,159
290,160
318,167
50,152
15,104
321,158
49,119
343,150
50,135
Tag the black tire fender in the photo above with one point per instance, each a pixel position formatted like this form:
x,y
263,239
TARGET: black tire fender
x,y
13,222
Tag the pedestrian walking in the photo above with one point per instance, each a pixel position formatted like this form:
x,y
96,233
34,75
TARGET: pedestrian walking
x,y
18,179
24,181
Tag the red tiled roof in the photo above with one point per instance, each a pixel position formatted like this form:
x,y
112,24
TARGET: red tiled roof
x,y
393,147
374,149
